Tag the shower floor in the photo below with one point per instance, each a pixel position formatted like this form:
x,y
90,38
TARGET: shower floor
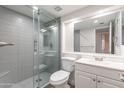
x,y
28,83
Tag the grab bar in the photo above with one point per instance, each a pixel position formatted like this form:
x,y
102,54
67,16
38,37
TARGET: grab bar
x,y
2,44
3,74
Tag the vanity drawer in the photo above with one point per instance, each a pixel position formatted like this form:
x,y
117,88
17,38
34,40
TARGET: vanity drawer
x,y
105,72
108,83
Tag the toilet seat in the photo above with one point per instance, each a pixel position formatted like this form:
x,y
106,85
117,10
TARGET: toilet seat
x,y
59,77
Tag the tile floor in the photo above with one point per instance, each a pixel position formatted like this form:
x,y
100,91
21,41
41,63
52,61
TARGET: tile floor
x,y
28,83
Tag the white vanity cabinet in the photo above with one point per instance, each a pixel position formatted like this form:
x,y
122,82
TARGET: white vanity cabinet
x,y
85,80
88,76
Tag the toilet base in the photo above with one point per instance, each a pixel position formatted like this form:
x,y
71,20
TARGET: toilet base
x,y
64,85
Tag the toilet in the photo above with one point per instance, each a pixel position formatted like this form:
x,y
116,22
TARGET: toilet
x,y
59,79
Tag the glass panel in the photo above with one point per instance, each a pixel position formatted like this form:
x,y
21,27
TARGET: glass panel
x,y
46,48
35,65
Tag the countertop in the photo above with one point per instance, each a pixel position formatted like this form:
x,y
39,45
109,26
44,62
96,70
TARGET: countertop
x,y
95,54
105,64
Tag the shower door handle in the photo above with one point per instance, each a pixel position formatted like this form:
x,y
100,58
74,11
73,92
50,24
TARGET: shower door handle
x,y
2,44
35,45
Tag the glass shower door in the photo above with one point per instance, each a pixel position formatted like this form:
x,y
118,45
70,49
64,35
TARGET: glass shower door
x,y
46,48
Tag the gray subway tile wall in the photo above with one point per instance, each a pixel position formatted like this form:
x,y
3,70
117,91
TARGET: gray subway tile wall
x,y
18,59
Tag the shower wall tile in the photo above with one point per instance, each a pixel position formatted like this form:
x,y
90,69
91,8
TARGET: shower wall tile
x,y
18,59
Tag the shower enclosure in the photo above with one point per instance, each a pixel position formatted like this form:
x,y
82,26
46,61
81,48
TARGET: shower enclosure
x,y
46,47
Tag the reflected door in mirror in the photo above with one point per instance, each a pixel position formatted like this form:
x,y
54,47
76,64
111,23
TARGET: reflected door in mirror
x,y
102,40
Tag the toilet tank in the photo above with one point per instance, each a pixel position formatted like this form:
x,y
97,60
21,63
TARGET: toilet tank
x,y
67,63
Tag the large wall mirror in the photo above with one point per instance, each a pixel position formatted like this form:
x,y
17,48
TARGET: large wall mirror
x,y
98,34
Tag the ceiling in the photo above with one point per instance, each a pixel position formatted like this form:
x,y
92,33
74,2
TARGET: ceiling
x,y
21,9
88,24
27,10
66,9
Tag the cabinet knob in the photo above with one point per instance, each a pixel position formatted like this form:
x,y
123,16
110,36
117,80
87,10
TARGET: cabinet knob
x,y
98,81
122,77
94,79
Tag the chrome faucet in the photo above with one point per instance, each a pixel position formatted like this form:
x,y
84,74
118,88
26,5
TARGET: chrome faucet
x,y
98,58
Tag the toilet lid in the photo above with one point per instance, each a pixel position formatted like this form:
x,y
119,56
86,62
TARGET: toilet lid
x,y
59,75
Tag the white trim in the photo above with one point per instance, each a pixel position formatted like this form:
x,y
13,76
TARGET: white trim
x,y
110,38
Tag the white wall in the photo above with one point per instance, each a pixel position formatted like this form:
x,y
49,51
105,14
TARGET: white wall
x,y
68,37
18,59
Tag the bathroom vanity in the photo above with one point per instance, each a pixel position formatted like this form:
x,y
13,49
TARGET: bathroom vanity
x,y
98,74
